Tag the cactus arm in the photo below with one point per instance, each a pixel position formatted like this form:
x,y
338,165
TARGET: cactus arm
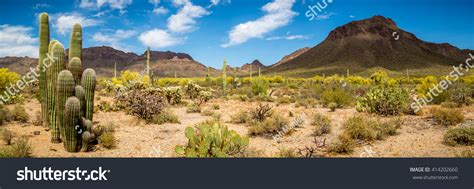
x,y
89,83
75,49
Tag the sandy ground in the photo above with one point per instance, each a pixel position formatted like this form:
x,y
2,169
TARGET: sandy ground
x,y
419,136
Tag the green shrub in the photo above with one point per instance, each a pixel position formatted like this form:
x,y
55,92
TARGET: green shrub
x,y
240,117
344,145
7,136
207,112
360,128
261,112
459,136
212,139
461,96
383,100
259,87
20,149
165,117
18,113
143,103
332,106
193,108
107,140
336,95
426,86
447,117
284,100
272,125
388,128
287,153
321,123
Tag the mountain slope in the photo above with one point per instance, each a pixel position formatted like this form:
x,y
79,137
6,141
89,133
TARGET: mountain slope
x,y
370,43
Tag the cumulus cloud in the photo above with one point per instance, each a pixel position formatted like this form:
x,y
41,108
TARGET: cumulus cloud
x,y
160,10
277,14
113,4
64,22
157,38
185,19
217,2
17,41
288,37
324,16
114,39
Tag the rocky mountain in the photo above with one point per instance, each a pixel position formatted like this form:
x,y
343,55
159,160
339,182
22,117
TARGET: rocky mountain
x,y
362,45
254,64
291,56
18,64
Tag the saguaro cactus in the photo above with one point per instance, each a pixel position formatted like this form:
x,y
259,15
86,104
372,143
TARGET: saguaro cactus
x,y
42,57
64,90
86,139
80,94
75,66
72,130
224,77
148,62
57,65
75,49
250,71
88,83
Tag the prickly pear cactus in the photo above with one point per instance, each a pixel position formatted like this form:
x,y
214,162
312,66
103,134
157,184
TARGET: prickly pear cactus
x,y
75,66
72,129
42,61
57,65
64,90
75,44
88,83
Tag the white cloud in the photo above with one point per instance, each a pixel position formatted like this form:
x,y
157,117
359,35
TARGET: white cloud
x,y
160,10
351,16
277,14
324,16
185,20
113,4
17,41
288,37
41,5
114,39
217,2
64,22
157,38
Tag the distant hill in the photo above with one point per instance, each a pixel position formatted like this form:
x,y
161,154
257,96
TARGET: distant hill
x,y
376,42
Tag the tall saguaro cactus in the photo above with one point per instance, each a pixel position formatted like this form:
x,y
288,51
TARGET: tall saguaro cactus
x,y
75,44
224,77
64,90
42,57
72,113
75,66
88,83
148,62
81,95
250,71
57,65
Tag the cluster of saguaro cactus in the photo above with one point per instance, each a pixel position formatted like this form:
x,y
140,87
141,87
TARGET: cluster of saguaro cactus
x,y
67,92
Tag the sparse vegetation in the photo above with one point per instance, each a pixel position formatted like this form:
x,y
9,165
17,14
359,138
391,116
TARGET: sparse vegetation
x,y
7,136
447,117
321,123
272,125
165,117
20,149
459,136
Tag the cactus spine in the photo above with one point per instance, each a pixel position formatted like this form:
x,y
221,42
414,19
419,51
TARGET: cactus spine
x,y
224,77
43,50
80,94
72,130
57,65
64,90
148,62
75,66
75,49
88,83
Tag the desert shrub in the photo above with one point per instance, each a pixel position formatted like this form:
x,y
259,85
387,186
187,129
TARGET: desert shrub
x,y
284,100
261,112
20,149
104,106
240,117
203,97
216,107
262,98
173,94
332,106
461,96
387,128
3,114
7,136
107,140
344,145
449,104
259,87
272,125
287,153
18,113
336,95
38,121
212,139
192,89
307,103
143,103
165,117
99,130
425,87
459,136
6,78
207,112
321,123
379,77
446,116
466,154
360,128
383,100
193,108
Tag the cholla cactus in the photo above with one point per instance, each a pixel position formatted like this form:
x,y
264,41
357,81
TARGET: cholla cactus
x,y
173,94
192,89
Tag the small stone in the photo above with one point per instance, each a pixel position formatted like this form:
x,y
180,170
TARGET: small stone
x,y
36,133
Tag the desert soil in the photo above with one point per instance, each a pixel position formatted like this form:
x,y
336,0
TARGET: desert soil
x,y
418,137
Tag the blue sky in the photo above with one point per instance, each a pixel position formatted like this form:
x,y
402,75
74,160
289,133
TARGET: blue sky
x,y
211,30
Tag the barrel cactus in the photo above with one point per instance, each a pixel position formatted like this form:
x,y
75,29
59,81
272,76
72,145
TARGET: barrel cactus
x,y
56,65
88,83
64,90
75,49
71,127
42,61
75,66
